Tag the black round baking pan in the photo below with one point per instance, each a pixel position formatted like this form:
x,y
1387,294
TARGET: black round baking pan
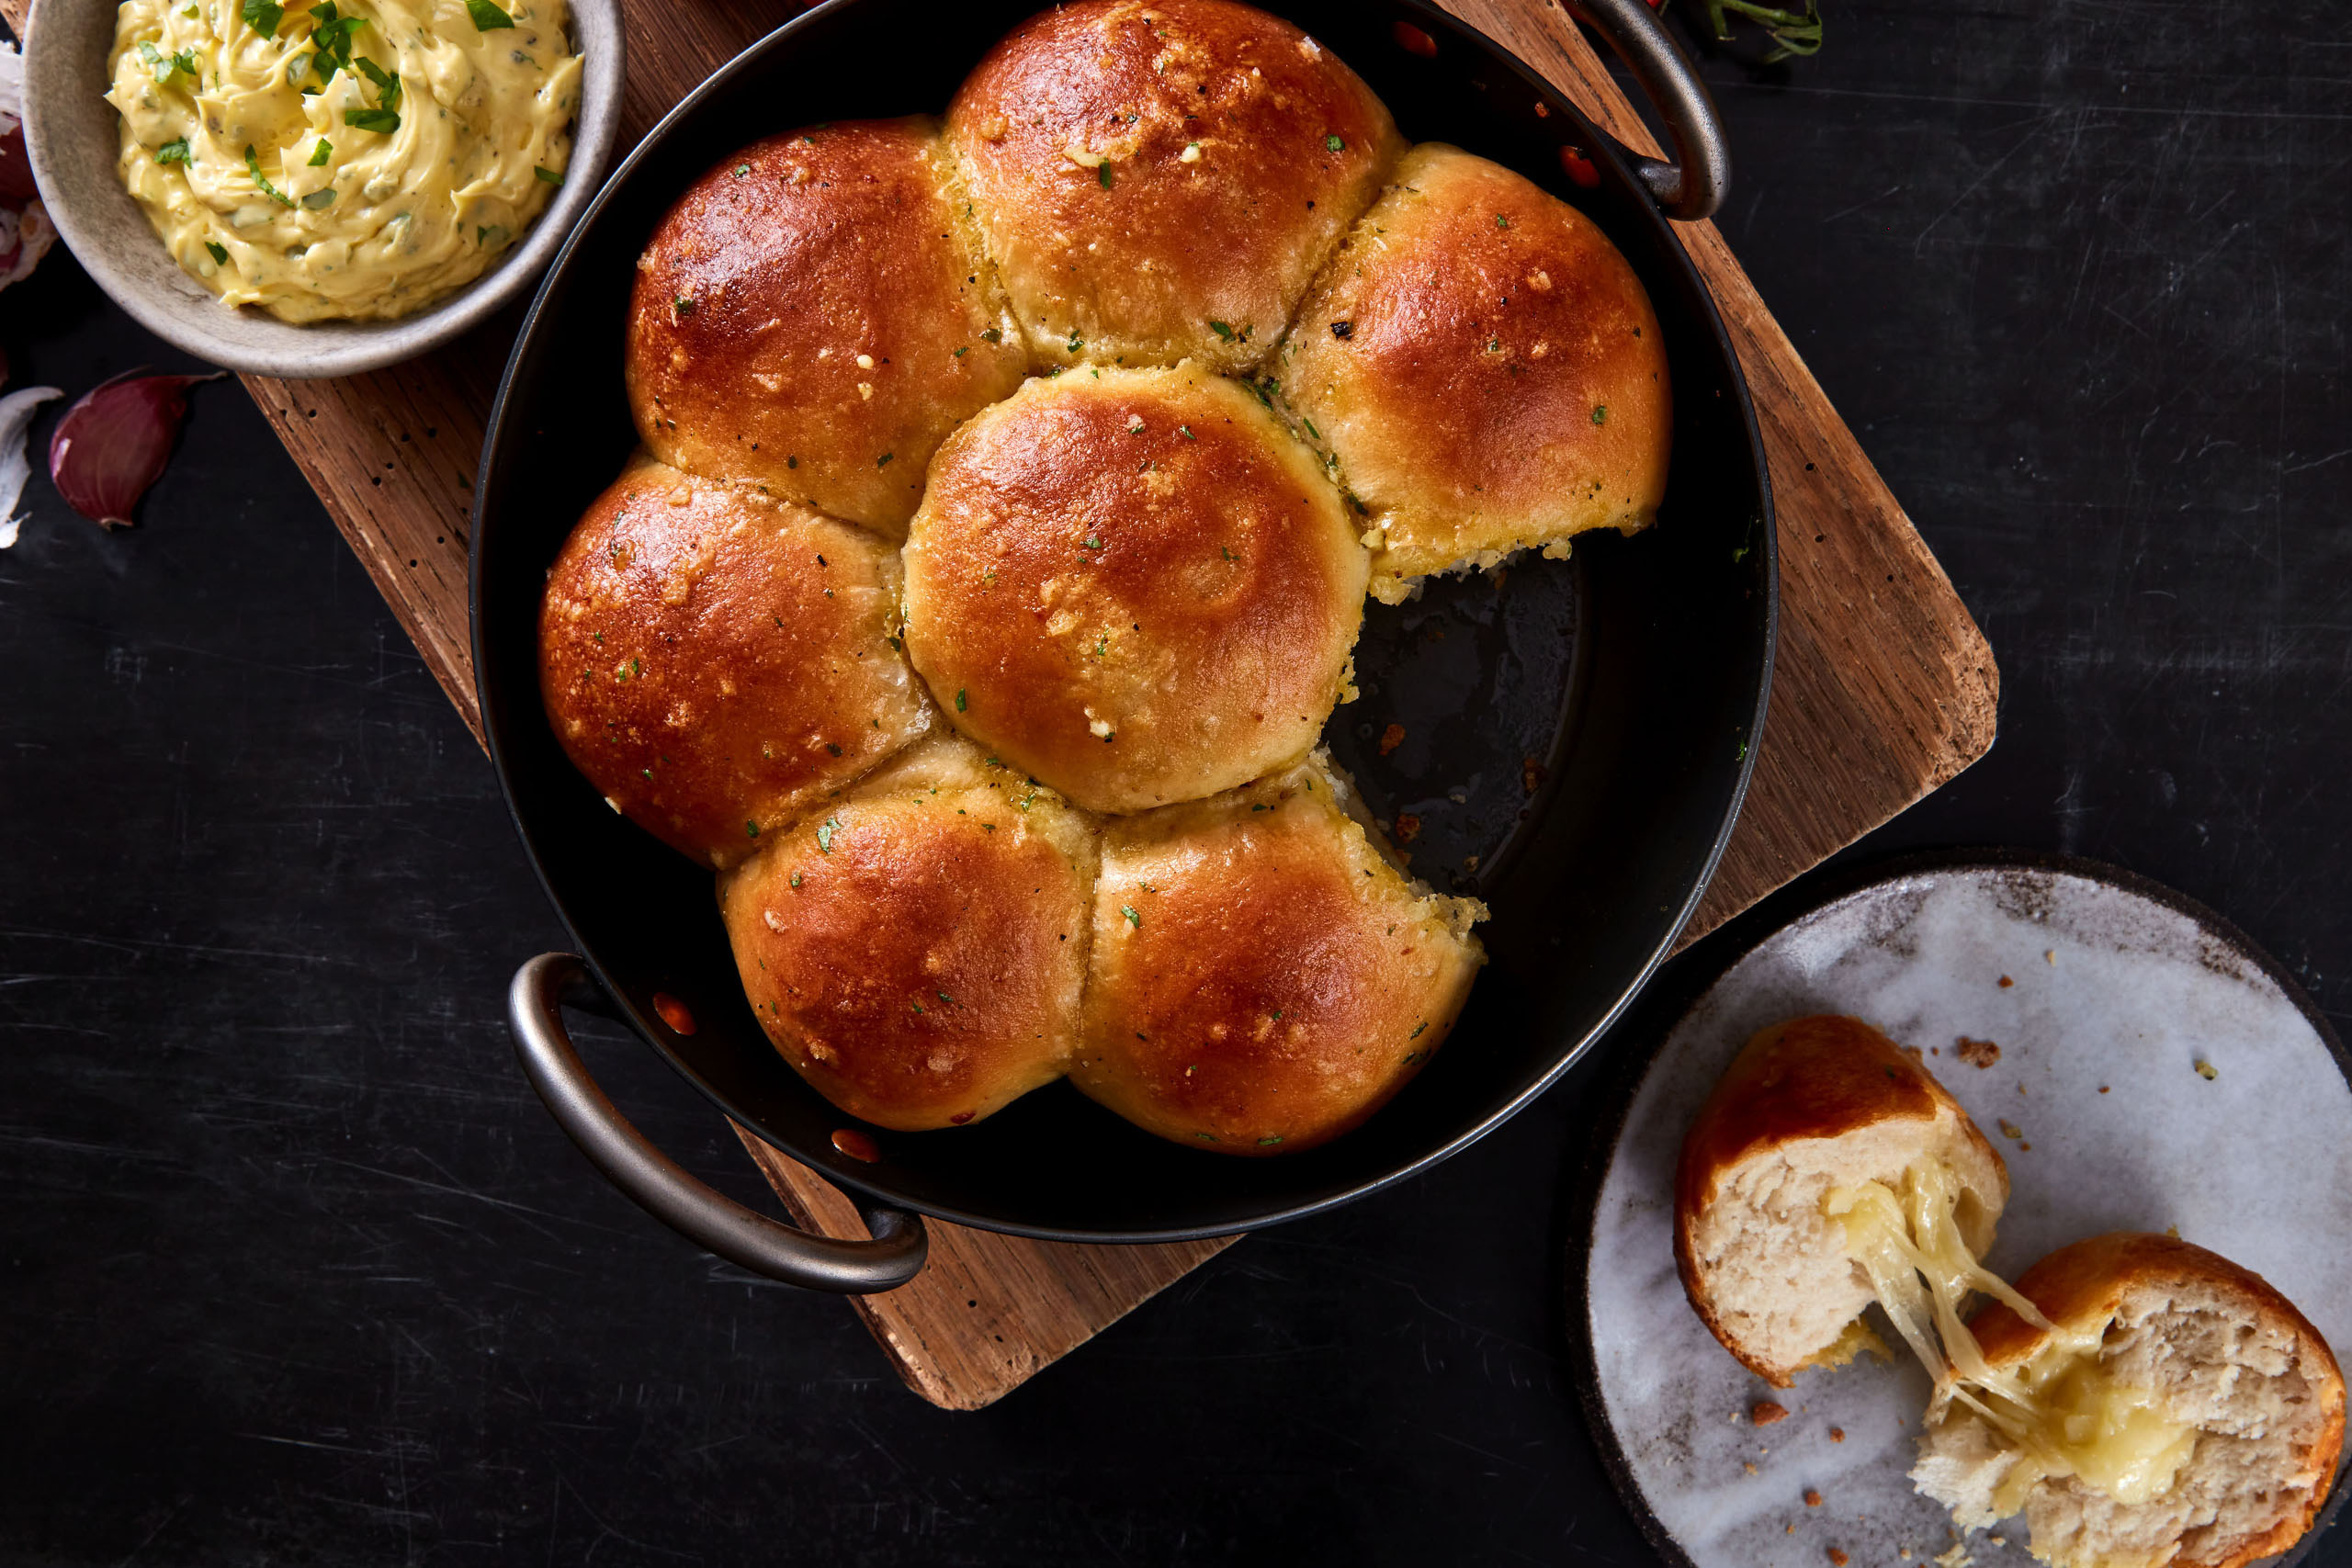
x,y
1575,736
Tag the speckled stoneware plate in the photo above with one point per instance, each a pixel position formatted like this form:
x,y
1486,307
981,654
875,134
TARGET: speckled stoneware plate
x,y
2103,993
72,135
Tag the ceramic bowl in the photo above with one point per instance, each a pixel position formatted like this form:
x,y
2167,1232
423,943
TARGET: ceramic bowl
x,y
72,135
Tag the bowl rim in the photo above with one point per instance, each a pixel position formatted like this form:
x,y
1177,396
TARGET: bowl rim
x,y
617,1002
346,348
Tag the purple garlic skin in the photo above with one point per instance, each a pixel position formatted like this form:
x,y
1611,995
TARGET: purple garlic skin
x,y
112,445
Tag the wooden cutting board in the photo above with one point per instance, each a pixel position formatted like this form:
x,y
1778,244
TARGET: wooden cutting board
x,y
1884,687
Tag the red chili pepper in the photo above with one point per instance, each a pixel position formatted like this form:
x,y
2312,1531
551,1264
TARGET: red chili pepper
x,y
1580,167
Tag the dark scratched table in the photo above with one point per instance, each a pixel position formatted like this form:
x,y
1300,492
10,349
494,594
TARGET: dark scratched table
x,y
296,1271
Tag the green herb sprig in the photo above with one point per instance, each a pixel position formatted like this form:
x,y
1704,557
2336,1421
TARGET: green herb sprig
x,y
1793,33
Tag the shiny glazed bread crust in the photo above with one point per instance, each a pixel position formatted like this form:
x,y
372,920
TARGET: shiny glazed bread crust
x,y
1135,586
816,313
915,948
1485,367
1159,181
1263,977
712,658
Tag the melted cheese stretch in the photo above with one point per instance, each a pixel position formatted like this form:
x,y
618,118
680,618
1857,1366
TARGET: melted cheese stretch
x,y
2063,1410
240,145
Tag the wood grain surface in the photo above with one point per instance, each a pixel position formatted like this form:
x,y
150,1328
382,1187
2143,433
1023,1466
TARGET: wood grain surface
x,y
1884,688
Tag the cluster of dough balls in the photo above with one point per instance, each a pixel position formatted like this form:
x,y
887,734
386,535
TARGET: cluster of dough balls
x,y
1011,489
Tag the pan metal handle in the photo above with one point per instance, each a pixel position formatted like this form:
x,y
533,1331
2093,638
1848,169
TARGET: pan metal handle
x,y
661,1187
1694,185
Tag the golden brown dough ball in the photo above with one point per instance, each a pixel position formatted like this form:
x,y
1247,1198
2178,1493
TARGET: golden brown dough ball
x,y
1264,979
1160,181
712,658
916,949
1486,370
1135,585
815,313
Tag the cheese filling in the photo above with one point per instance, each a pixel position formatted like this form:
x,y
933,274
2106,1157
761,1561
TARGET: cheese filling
x,y
2064,1411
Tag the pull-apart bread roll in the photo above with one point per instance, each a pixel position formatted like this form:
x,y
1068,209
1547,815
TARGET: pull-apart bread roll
x,y
915,948
1485,369
1159,181
1263,977
1827,1169
2167,1407
1135,585
712,658
816,314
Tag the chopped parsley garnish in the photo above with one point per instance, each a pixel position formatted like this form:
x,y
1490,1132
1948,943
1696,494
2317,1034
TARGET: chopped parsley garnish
x,y
795,879
322,152
884,460
331,36
1133,919
1416,1029
253,165
991,334
1601,414
1223,330
1186,431
382,121
261,16
742,169
962,351
165,65
172,151
685,306
1093,542
1334,144
1075,343
1501,222
825,831
1312,433
550,176
1103,173
219,252
1273,1138
917,1006
488,16
959,699
320,199
750,830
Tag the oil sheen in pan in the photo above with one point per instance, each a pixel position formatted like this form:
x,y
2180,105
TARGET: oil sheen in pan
x,y
1466,704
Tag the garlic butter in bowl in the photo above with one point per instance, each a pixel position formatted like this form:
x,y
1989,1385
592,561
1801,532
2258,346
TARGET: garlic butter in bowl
x,y
351,160
323,187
